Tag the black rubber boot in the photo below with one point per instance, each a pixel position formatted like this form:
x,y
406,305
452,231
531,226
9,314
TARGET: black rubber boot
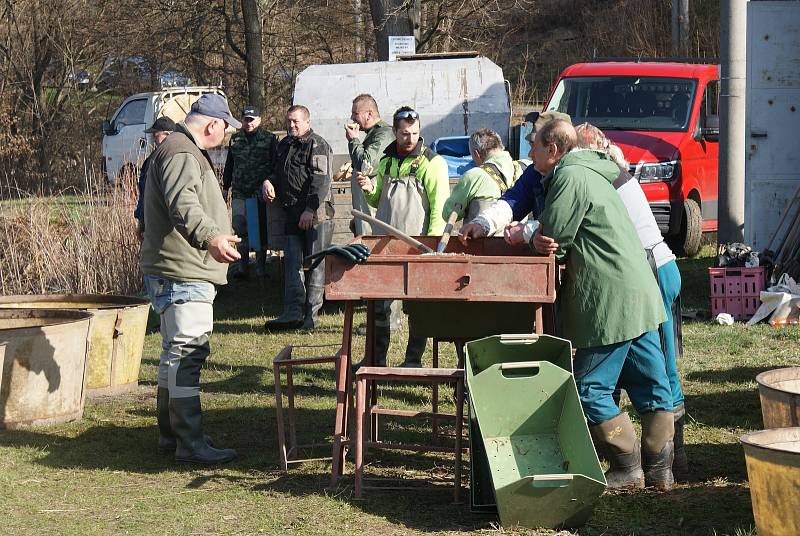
x,y
658,429
414,351
166,439
615,439
382,335
314,296
680,465
186,417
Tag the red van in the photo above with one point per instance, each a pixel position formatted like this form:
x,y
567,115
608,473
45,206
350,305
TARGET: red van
x,y
663,115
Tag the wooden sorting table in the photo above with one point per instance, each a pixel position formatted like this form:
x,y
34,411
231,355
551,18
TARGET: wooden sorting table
x,y
486,273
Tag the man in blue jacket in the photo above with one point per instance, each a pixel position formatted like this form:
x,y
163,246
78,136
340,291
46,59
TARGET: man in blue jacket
x,y
525,197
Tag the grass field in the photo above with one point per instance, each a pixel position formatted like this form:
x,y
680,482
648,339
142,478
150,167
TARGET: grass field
x,y
103,476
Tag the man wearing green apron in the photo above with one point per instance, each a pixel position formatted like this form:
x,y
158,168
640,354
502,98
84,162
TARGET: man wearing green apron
x,y
409,192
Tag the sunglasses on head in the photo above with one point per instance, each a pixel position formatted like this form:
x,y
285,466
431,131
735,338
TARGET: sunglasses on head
x,y
406,114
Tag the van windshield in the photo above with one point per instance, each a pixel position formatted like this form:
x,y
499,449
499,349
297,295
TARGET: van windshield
x,y
626,102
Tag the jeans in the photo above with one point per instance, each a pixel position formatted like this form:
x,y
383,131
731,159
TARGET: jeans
x,y
669,282
187,317
638,363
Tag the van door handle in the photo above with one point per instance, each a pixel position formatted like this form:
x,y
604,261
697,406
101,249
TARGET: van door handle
x,y
758,133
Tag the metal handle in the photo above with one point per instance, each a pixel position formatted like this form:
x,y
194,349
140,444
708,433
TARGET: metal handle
x,y
758,133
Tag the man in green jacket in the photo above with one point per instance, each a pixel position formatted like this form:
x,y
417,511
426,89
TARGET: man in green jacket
x,y
184,254
494,173
609,306
409,192
251,157
365,154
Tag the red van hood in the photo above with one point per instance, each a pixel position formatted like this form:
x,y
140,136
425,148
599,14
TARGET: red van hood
x,y
647,146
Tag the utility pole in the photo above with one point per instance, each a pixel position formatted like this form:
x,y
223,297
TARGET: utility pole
x,y
680,27
254,60
392,17
733,49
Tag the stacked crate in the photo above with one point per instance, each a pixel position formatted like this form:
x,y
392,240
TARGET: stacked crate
x,y
736,291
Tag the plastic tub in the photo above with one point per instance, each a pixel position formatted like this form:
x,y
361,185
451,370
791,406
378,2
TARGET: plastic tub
x,y
117,335
773,469
779,391
543,466
44,366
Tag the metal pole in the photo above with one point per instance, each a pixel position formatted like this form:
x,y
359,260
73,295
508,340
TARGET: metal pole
x,y
733,49
683,22
676,28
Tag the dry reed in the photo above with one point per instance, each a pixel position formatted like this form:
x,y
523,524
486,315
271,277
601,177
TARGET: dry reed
x,y
82,244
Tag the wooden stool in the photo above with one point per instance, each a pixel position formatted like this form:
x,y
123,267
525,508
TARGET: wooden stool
x,y
284,359
365,379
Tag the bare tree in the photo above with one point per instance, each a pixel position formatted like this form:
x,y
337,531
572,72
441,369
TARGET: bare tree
x,y
392,17
253,52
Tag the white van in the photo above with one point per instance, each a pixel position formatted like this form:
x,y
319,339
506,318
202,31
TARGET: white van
x,y
125,144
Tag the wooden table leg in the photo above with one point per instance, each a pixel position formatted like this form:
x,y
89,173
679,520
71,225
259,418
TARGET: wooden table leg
x,y
539,320
342,396
360,418
435,395
282,458
372,389
459,431
290,408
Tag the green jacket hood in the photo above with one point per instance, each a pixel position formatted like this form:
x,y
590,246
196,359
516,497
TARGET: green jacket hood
x,y
597,161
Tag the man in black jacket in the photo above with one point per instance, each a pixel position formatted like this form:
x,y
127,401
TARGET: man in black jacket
x,y
301,184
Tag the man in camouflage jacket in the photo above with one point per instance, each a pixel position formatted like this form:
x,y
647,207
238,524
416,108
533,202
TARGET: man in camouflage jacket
x,y
251,158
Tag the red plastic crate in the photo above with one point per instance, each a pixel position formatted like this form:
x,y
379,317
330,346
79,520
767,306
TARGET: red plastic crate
x,y
736,291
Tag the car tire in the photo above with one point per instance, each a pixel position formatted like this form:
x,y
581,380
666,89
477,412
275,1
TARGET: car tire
x,y
687,243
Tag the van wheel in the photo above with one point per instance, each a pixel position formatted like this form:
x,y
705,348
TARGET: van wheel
x,y
687,243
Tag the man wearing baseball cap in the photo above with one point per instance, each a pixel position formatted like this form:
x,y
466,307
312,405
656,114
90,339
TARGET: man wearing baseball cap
x,y
251,154
187,244
160,129
525,197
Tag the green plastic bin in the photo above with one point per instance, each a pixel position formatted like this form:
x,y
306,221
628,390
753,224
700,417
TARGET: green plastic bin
x,y
505,348
542,464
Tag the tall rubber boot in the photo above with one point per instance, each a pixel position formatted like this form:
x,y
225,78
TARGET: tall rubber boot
x,y
680,465
186,417
315,295
382,336
658,451
414,351
615,439
166,439
294,290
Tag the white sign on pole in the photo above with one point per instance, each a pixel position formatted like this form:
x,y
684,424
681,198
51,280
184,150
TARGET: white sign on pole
x,y
401,45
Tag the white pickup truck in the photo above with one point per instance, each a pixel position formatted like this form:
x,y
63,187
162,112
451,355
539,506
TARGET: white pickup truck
x,y
125,143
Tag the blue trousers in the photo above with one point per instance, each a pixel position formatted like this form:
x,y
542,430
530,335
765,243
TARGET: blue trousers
x,y
669,282
638,363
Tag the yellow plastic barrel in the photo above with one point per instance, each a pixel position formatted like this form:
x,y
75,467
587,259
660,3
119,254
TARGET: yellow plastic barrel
x,y
43,366
779,391
773,469
117,335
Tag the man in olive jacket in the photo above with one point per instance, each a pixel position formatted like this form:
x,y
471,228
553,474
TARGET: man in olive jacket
x,y
365,154
609,306
185,249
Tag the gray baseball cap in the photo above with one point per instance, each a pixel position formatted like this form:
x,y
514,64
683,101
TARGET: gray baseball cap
x,y
214,105
544,118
